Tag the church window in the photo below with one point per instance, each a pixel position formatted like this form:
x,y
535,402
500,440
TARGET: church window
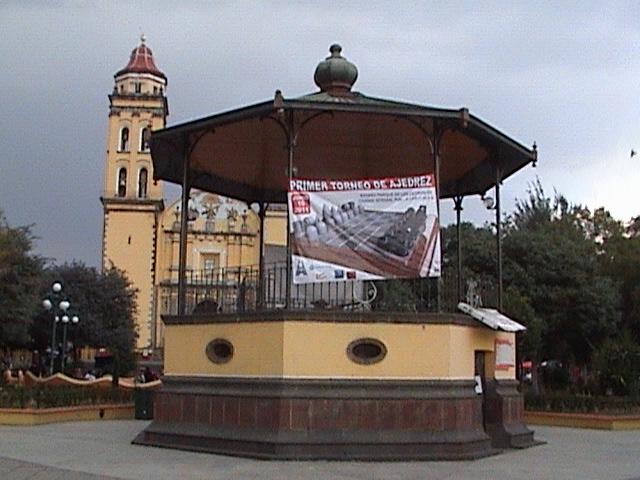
x,y
124,139
209,265
142,183
137,87
145,133
210,262
122,182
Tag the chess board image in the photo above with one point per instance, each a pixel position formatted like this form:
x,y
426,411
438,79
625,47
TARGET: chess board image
x,y
384,243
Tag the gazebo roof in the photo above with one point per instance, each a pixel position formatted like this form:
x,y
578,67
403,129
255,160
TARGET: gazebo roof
x,y
339,134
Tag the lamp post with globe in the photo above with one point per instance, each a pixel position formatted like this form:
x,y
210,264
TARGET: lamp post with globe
x,y
55,302
74,319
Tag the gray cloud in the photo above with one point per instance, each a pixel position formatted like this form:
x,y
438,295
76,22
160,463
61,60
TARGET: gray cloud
x,y
563,75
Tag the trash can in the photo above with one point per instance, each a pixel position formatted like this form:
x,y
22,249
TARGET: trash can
x,y
143,399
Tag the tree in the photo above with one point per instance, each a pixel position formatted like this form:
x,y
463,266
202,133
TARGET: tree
x,y
538,210
517,305
396,295
479,261
20,272
553,262
600,227
620,261
105,303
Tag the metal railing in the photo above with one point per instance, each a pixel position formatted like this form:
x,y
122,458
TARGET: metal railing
x,y
238,289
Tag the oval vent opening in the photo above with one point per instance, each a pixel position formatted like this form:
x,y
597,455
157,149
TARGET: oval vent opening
x,y
219,350
366,351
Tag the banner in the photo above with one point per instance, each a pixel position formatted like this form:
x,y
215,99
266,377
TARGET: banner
x,y
364,229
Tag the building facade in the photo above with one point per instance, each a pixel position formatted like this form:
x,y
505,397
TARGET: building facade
x,y
141,230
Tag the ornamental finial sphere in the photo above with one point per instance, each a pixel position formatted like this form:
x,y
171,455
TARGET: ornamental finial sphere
x,y
335,74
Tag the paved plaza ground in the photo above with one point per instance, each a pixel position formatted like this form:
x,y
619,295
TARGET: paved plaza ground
x,y
102,450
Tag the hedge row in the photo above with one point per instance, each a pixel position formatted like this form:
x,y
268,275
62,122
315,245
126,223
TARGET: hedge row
x,y
18,396
582,404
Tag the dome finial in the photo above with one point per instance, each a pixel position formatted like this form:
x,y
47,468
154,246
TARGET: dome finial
x,y
142,38
335,74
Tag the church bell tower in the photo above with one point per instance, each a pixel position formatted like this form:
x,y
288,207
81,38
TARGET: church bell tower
x,y
132,201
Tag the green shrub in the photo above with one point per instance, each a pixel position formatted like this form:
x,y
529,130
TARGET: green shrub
x,y
566,403
618,364
18,396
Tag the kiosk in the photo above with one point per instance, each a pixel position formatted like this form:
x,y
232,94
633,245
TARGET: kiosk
x,y
285,380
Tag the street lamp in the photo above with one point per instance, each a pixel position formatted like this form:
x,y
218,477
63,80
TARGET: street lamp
x,y
65,321
55,302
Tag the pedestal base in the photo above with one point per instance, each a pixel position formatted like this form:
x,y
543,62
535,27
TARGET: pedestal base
x,y
504,415
320,419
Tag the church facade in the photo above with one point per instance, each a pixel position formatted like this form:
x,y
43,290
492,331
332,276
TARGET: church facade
x,y
141,231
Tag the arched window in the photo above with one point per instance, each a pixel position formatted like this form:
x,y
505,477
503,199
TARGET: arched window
x,y
145,133
122,182
124,139
142,183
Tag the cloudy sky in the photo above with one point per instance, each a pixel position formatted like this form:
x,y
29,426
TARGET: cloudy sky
x,y
562,74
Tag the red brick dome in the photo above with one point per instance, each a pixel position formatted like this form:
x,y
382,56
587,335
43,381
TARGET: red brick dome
x,y
141,61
